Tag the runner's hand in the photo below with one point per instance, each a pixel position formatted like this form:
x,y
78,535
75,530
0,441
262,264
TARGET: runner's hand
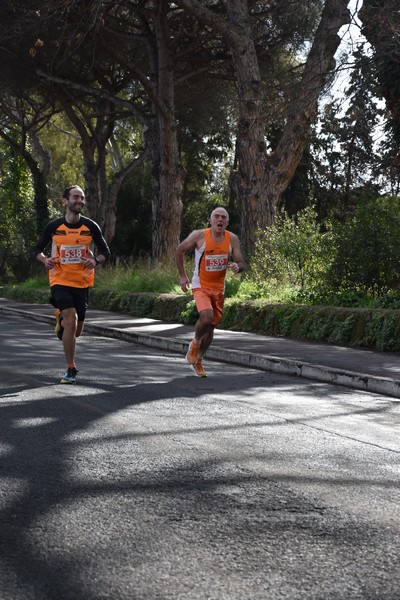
x,y
50,262
184,283
235,267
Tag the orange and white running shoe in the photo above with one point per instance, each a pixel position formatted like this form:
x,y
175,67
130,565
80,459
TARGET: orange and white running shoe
x,y
198,369
191,355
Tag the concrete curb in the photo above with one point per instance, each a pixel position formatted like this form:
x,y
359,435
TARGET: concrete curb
x,y
283,366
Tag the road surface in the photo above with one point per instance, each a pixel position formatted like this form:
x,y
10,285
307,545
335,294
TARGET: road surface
x,y
144,482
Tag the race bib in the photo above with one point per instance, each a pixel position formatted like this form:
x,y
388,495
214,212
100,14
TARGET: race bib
x,y
72,255
218,262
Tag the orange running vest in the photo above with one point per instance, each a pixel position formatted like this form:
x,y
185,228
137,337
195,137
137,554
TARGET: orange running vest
x,y
211,262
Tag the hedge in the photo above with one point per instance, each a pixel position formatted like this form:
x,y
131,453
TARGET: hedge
x,y
378,329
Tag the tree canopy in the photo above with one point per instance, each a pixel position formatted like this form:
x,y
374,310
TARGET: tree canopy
x,y
172,87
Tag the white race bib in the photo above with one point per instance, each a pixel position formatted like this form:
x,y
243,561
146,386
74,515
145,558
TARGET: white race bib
x,y
217,262
72,255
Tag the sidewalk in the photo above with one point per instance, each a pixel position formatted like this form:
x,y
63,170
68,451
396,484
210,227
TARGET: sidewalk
x,y
360,369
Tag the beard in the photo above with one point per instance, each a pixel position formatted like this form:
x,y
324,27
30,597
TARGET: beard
x,y
75,209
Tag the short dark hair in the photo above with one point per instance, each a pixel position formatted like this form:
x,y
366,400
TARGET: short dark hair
x,y
67,191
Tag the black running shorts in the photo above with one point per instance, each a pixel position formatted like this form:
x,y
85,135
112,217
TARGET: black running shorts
x,y
64,296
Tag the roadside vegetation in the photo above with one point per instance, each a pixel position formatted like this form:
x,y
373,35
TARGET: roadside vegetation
x,y
297,261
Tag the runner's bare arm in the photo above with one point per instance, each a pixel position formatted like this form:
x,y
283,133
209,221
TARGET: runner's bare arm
x,y
193,240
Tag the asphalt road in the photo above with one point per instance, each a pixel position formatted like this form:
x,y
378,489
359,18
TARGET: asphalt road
x,y
144,482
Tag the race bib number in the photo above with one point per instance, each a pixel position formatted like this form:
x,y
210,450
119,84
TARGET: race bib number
x,y
72,255
218,262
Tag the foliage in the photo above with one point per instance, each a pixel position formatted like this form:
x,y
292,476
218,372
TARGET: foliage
x,y
63,144
381,26
140,276
379,329
194,75
348,256
383,329
39,281
295,252
351,159
351,263
17,226
367,249
133,225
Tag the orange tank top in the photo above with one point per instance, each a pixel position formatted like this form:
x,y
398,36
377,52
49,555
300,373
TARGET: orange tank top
x,y
211,262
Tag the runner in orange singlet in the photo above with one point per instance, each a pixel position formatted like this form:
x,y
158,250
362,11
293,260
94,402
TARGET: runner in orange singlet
x,y
71,269
213,248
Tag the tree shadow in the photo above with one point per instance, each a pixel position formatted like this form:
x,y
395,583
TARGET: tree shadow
x,y
47,430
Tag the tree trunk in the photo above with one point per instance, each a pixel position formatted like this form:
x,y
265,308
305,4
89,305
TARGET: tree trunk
x,y
249,180
89,146
262,179
40,172
101,198
40,191
166,198
303,108
259,179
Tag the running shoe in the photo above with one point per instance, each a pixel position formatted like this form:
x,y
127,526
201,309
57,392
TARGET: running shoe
x,y
191,355
70,376
58,328
198,369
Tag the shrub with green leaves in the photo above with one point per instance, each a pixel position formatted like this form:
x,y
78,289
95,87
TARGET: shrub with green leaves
x,y
17,226
295,252
368,249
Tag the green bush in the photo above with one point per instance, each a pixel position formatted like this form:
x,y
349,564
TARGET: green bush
x,y
368,251
295,252
18,222
353,263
